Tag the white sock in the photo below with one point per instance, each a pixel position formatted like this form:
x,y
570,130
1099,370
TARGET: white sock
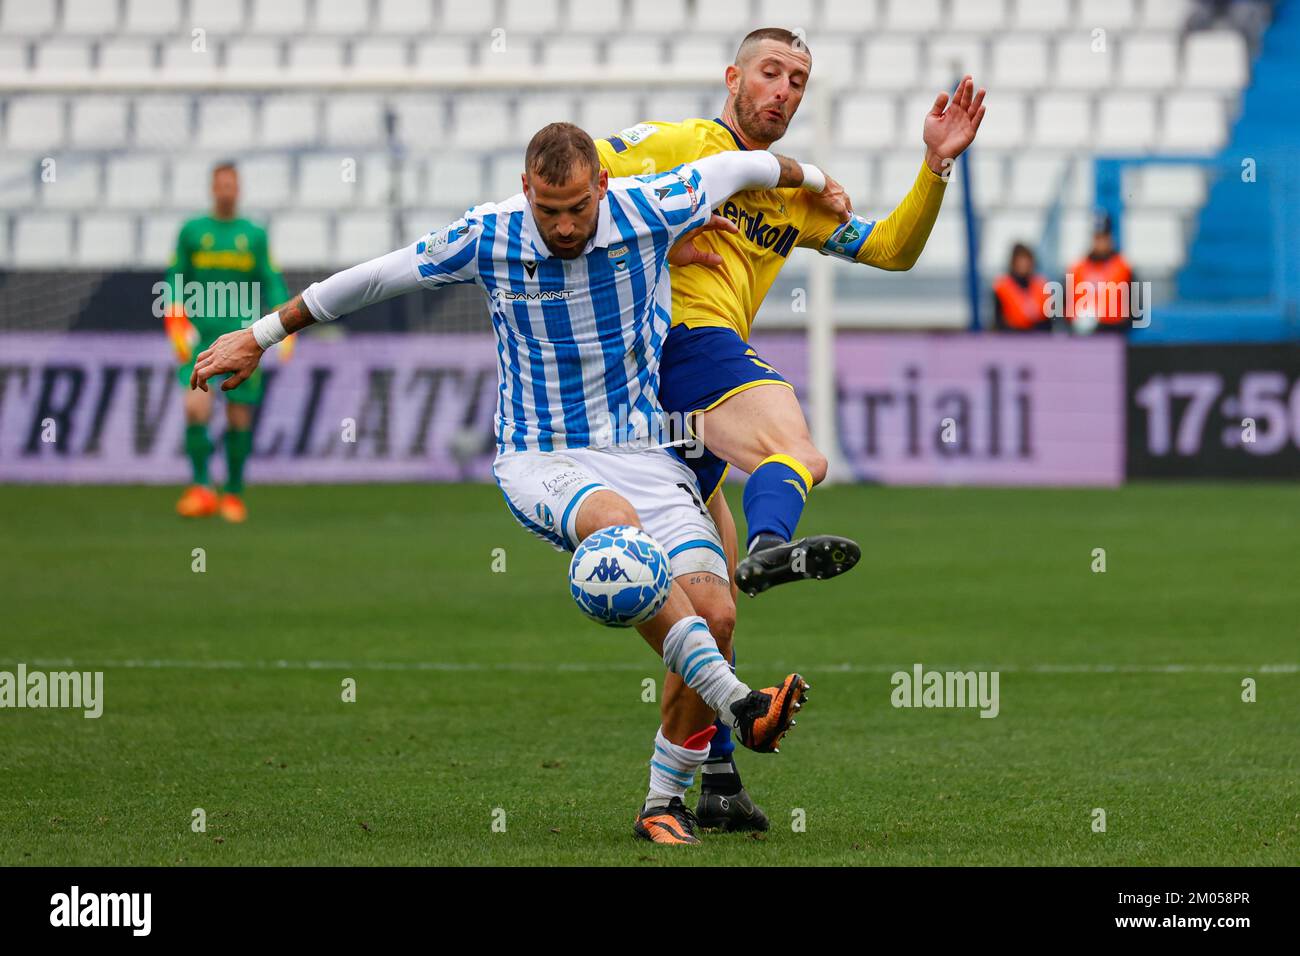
x,y
691,652
672,770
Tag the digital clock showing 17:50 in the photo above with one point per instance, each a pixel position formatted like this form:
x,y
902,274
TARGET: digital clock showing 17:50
x,y
1214,411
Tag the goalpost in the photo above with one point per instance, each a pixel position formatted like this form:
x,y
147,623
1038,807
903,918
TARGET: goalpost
x,y
815,111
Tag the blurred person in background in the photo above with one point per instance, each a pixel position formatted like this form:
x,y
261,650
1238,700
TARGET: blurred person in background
x,y
1101,283
219,280
1020,296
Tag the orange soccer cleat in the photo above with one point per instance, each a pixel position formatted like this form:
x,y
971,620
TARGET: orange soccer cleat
x,y
197,502
674,823
233,509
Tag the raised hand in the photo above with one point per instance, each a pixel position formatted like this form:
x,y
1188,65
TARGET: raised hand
x,y
950,126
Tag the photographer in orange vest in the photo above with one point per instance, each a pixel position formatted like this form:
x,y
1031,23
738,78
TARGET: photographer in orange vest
x,y
1020,296
1102,283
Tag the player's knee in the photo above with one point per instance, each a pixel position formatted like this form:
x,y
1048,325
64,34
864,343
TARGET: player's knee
x,y
604,509
719,614
815,462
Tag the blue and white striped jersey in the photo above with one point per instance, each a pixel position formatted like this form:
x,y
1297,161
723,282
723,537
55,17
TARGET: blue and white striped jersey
x,y
578,340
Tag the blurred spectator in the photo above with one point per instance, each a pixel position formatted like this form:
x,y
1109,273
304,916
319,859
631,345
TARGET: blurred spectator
x,y
1102,283
1020,296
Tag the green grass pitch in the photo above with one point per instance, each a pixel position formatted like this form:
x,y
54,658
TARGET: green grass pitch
x,y
479,691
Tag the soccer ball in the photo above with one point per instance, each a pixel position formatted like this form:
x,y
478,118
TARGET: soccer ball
x,y
620,576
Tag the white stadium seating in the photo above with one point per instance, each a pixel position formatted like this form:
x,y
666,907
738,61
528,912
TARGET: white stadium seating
x,y
128,162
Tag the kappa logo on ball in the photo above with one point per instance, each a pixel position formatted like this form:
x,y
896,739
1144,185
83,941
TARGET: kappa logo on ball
x,y
608,570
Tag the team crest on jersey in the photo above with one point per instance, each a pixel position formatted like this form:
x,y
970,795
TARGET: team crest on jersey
x,y
618,257
636,134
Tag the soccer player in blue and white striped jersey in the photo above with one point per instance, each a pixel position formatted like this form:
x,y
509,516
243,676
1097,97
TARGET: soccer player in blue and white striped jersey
x,y
575,271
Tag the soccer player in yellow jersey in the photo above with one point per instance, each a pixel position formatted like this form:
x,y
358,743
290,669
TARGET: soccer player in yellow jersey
x,y
710,376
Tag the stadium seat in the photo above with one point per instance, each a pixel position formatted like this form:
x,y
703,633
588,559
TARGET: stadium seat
x,y
289,120
420,121
1216,60
1167,15
605,18
404,17
226,123
133,182
301,239
340,17
419,222
1040,15
220,18
63,55
88,18
266,182
126,55
701,53
912,16
867,119
631,54
42,240
1073,239
27,18
279,17
184,57
848,16
378,173
989,172
722,17
354,119
105,240
1154,242
35,123
514,56
157,240
253,54
978,16
1006,126
75,183
656,16
837,60
442,55
1148,62
162,122
891,63
945,250
531,16
479,121
606,113
455,181
18,177
152,17
1109,15
1036,179
190,184
1062,119
380,53
855,173
535,110
98,122
1080,67
1126,122
327,181
315,55
1168,187
569,53
360,236
950,58
1002,229
1193,122
13,55
1081,183
897,173
468,17
1019,62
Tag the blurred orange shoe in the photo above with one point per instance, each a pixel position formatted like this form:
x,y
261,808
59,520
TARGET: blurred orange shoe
x,y
197,502
232,508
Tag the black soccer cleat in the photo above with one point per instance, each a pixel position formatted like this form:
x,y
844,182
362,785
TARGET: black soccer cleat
x,y
819,556
730,812
674,823
762,717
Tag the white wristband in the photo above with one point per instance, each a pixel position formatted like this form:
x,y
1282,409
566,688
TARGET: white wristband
x,y
813,178
268,330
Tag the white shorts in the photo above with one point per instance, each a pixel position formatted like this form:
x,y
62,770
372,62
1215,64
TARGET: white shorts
x,y
545,489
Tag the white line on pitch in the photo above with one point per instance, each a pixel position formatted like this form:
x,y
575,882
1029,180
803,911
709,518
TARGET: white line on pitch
x,y
615,666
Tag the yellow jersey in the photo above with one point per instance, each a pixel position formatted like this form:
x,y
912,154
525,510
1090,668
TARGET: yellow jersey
x,y
770,222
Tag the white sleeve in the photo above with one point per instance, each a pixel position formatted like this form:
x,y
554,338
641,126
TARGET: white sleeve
x,y
352,289
446,256
723,174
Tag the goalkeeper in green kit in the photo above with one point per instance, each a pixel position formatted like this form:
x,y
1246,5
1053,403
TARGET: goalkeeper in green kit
x,y
219,281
